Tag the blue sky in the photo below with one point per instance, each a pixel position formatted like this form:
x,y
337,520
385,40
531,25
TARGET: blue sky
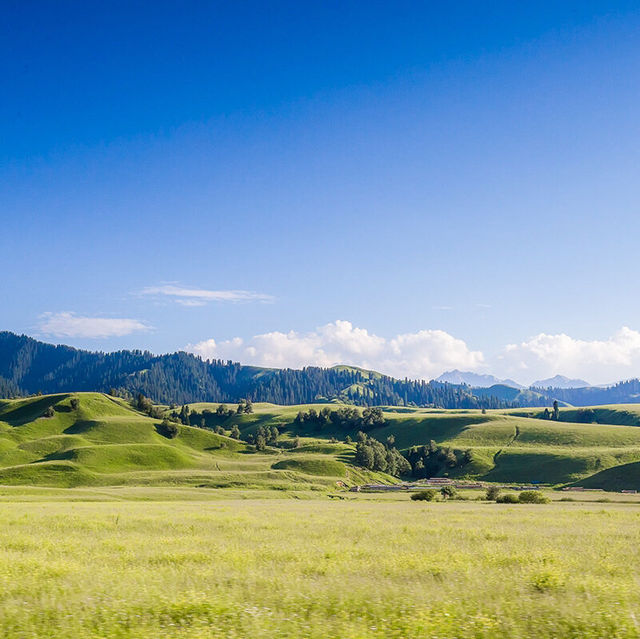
x,y
408,186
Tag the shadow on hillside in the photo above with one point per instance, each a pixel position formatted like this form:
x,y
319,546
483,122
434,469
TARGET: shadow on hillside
x,y
80,427
32,410
420,430
346,458
57,456
621,477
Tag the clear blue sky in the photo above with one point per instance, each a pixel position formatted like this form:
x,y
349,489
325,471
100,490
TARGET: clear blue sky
x,y
404,166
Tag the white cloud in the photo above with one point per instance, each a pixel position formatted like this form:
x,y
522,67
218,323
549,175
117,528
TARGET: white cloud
x,y
598,361
200,296
67,324
424,354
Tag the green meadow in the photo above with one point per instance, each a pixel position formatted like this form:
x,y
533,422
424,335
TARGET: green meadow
x,y
191,563
91,439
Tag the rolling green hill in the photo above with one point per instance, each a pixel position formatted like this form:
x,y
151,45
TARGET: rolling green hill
x,y
95,439
506,446
103,441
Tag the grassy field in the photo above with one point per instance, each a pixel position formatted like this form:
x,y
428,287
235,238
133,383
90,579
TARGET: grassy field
x,y
179,562
102,441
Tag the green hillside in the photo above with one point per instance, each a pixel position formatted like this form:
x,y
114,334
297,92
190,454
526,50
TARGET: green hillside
x,y
505,447
95,439
103,441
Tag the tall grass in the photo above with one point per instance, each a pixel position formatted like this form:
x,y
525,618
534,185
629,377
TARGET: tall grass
x,y
316,568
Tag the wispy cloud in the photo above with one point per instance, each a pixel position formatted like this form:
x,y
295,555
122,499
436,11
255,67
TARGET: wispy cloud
x,y
67,324
200,296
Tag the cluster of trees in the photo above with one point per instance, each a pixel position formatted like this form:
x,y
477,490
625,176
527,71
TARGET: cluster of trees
x,y
432,460
245,406
346,418
9,389
212,420
145,405
620,393
263,437
374,455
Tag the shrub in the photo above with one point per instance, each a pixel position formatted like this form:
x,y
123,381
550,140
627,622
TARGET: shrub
x,y
493,492
168,429
49,412
546,580
424,495
508,498
449,492
533,497
75,402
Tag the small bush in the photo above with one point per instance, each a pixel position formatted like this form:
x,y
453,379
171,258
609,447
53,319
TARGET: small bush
x,y
424,495
168,429
533,497
449,492
508,498
75,402
567,499
49,412
546,580
493,492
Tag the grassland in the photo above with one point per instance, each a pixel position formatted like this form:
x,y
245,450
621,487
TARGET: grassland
x,y
139,563
506,446
102,441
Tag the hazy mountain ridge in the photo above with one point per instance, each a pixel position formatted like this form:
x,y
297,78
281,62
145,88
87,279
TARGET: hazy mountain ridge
x,y
560,381
477,380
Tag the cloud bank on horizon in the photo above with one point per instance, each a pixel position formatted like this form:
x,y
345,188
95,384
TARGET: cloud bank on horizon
x,y
426,354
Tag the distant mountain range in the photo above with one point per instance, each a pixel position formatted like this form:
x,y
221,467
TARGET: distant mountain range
x,y
475,379
560,381
478,380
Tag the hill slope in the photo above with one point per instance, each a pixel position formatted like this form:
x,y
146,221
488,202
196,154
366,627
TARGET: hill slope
x,y
94,439
505,446
99,440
